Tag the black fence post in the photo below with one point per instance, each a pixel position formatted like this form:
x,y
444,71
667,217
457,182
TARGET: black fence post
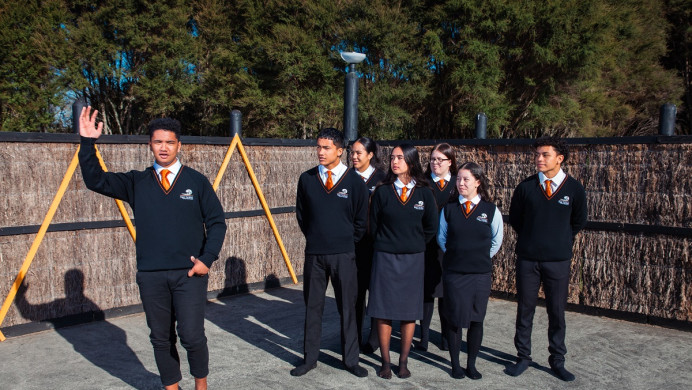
x,y
666,123
77,107
481,125
351,104
236,123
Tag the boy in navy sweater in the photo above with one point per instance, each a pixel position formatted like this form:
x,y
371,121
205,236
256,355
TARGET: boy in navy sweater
x,y
180,229
547,210
331,208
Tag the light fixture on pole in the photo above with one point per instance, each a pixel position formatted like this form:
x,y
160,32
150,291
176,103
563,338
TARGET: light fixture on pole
x,y
351,95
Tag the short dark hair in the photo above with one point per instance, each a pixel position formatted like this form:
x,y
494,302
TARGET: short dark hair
x,y
558,144
333,134
168,124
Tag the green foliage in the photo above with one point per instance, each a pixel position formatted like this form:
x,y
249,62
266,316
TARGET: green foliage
x,y
573,68
32,48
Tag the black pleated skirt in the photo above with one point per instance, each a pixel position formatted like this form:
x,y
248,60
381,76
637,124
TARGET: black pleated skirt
x,y
396,286
466,298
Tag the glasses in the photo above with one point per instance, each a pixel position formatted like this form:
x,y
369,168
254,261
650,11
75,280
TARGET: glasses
x,y
438,160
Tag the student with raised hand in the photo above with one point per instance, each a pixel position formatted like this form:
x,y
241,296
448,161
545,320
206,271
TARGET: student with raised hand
x,y
403,219
331,208
366,164
180,230
470,234
548,209
442,171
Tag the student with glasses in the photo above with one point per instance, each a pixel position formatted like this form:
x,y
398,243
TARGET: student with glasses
x,y
441,172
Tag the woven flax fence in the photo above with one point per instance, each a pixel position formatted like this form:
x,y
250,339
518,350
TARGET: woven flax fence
x,y
86,263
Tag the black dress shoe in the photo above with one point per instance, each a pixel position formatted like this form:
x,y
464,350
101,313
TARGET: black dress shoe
x,y
472,373
385,371
422,346
403,370
562,373
457,373
303,369
358,371
518,368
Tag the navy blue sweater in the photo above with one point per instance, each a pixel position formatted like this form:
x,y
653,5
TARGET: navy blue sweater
x,y
403,227
442,195
331,220
546,226
188,220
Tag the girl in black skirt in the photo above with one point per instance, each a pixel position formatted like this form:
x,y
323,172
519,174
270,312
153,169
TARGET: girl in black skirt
x,y
366,163
403,219
470,234
442,172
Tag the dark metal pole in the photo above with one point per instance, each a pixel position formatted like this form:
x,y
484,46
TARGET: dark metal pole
x,y
77,107
236,123
666,123
351,104
481,125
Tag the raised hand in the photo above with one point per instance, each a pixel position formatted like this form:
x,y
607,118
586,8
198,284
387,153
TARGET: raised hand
x,y
87,123
198,269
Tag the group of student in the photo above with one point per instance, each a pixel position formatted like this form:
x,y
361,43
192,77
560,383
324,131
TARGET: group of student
x,y
407,236
402,238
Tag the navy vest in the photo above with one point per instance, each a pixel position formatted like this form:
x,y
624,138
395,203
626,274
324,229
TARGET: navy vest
x,y
469,238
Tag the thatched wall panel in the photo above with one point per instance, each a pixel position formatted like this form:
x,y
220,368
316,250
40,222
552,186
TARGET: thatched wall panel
x,y
504,267
649,275
637,184
106,259
277,172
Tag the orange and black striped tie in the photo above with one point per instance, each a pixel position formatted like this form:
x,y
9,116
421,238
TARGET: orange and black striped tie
x,y
441,183
548,188
468,206
164,179
403,194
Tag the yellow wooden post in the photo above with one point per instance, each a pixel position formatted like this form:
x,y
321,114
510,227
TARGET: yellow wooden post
x,y
119,203
226,159
241,149
39,237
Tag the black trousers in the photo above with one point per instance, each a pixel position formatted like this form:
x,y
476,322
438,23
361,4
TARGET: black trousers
x,y
555,279
341,269
169,297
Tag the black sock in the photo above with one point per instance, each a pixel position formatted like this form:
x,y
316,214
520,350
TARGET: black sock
x,y
474,337
443,322
454,339
428,309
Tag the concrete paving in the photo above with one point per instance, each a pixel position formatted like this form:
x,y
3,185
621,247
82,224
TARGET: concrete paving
x,y
255,340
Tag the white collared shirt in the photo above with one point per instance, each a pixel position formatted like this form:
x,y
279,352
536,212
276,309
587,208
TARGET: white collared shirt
x,y
399,185
173,170
555,182
496,227
446,178
337,172
367,173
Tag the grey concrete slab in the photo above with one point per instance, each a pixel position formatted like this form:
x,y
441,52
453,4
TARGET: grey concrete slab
x,y
255,340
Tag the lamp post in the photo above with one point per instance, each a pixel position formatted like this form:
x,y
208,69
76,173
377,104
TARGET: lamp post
x,y
351,95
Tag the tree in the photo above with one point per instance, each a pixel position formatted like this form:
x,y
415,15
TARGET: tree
x,y
679,55
135,60
33,47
